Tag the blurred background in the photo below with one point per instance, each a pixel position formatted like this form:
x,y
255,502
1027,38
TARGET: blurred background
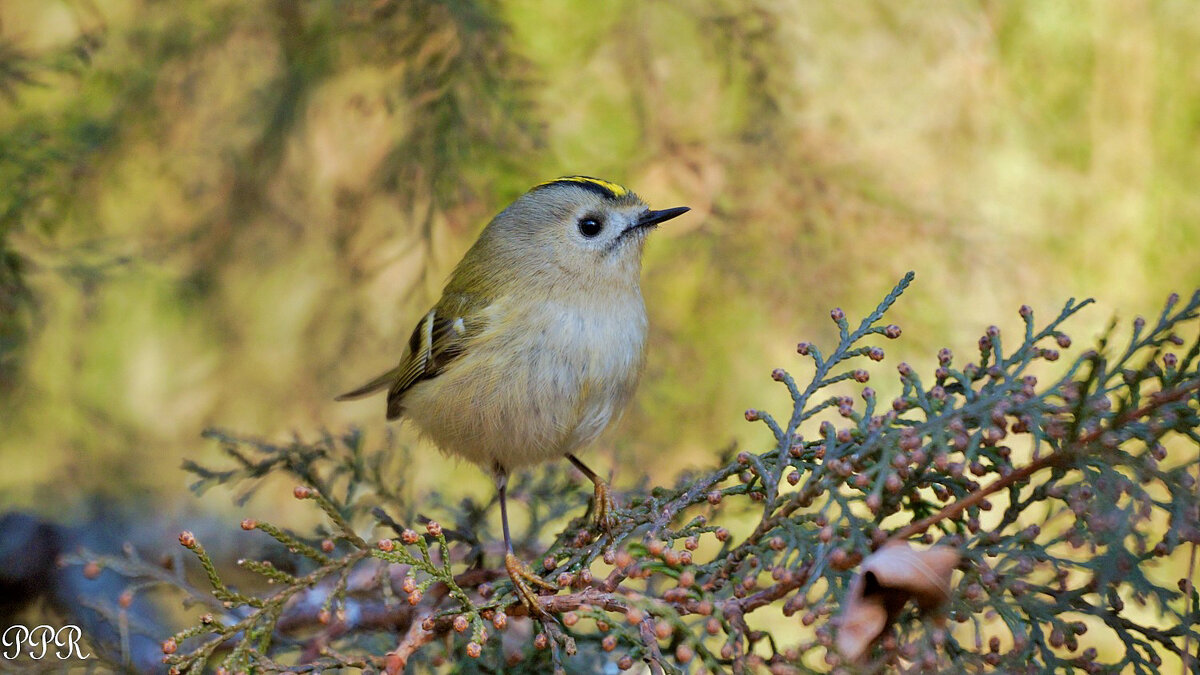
x,y
224,213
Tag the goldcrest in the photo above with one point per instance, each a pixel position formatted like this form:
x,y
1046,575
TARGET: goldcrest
x,y
537,342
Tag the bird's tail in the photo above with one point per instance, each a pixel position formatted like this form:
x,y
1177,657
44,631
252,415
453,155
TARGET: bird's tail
x,y
381,382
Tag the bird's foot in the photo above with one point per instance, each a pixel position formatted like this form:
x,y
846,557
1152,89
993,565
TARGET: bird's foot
x,y
602,508
522,577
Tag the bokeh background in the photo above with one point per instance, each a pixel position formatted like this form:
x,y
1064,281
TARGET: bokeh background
x,y
224,213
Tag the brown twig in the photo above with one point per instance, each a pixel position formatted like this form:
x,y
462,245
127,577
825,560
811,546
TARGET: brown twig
x,y
415,638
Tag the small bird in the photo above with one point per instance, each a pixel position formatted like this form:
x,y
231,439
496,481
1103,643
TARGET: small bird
x,y
537,342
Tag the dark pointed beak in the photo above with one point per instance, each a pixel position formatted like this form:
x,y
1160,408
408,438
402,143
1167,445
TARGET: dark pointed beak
x,y
650,218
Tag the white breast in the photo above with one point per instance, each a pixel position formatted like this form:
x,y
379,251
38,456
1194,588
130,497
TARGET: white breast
x,y
537,383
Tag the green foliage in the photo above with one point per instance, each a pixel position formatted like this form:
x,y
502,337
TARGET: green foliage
x,y
1072,502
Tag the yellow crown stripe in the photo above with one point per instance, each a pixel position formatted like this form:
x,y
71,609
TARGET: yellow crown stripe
x,y
616,190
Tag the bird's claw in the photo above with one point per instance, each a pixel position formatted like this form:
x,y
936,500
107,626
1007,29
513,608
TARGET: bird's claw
x,y
522,577
602,508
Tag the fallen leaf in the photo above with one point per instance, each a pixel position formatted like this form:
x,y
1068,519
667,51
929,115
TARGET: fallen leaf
x,y
887,580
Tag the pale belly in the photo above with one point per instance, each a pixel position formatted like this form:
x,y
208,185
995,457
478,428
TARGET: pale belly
x,y
530,395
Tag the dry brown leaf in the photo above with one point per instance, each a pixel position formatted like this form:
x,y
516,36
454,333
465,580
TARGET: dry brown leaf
x,y
888,579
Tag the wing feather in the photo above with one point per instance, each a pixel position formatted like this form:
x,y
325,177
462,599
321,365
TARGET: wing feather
x,y
439,338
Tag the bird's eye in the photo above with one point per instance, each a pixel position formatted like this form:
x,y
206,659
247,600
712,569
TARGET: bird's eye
x,y
590,226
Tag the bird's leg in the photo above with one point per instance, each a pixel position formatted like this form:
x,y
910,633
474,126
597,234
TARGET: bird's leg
x,y
602,505
518,571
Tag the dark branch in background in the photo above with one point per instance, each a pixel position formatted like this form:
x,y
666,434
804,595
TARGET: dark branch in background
x,y
1105,452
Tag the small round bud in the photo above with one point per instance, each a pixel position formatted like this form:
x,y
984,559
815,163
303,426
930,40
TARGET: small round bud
x,y
474,650
327,546
752,415
778,374
187,539
609,643
684,653
249,524
541,641
500,620
793,477
414,598
663,630
408,585
386,545
409,537
905,369
323,617
434,528
893,483
625,662
302,492
1056,637
714,497
461,624
945,356
721,534
691,543
875,354
91,570
125,599
860,375
1026,311
169,646
804,348
837,314
549,563
633,616
1063,340
892,331
570,619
